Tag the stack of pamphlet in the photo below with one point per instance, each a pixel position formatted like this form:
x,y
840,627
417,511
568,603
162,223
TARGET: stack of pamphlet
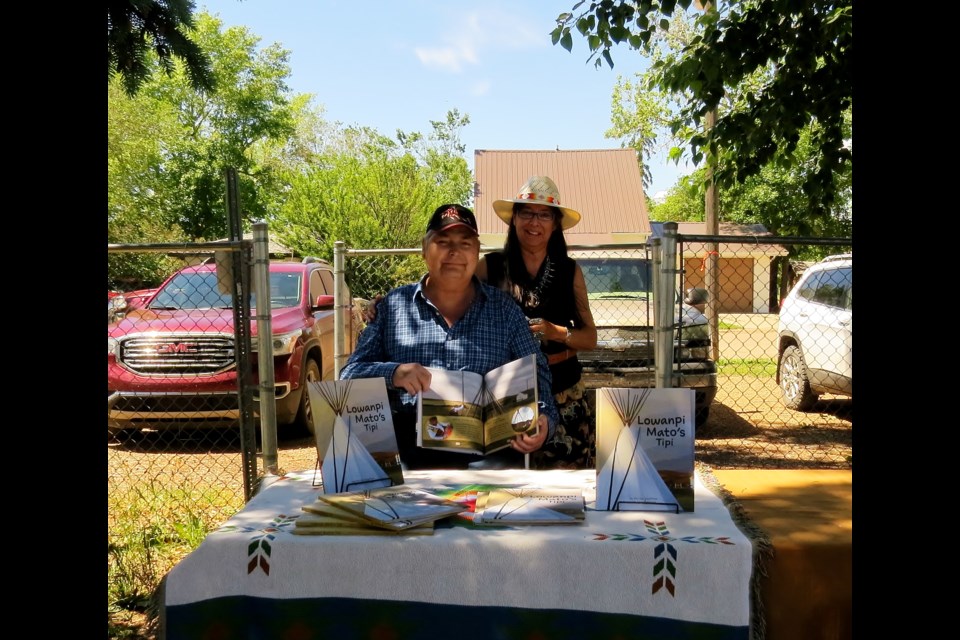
x,y
529,506
383,511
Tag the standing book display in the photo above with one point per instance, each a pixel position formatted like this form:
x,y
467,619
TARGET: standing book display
x,y
645,447
464,411
356,442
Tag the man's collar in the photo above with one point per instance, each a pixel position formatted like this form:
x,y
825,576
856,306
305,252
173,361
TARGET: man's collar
x,y
418,290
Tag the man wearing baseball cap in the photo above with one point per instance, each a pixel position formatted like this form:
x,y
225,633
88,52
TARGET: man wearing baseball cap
x,y
448,320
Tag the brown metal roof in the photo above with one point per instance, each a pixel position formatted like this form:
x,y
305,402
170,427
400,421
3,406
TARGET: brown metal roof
x,y
732,249
604,185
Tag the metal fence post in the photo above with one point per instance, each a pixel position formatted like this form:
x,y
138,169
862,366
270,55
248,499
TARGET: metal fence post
x,y
267,394
667,304
659,375
240,293
339,304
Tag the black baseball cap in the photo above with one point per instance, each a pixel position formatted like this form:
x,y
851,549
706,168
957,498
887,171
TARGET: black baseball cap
x,y
448,216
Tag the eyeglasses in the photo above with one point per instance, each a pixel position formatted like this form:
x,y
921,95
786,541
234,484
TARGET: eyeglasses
x,y
543,216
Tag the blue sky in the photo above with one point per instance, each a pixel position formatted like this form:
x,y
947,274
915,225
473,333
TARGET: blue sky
x,y
398,65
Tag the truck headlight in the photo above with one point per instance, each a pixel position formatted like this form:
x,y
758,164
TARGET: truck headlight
x,y
283,343
112,346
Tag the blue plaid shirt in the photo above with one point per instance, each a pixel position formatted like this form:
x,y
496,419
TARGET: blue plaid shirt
x,y
409,328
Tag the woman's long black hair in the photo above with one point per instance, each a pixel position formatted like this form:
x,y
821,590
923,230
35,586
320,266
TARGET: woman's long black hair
x,y
513,262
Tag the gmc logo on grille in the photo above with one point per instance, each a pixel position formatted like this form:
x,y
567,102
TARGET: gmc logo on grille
x,y
177,347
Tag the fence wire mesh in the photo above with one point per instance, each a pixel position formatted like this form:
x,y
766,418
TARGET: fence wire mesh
x,y
179,462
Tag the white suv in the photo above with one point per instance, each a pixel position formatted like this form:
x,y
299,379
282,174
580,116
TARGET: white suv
x,y
816,334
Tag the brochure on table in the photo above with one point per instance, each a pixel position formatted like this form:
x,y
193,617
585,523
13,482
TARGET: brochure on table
x,y
394,508
356,442
529,506
464,411
645,449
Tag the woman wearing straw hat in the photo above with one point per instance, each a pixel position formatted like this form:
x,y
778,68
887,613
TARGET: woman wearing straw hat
x,y
549,286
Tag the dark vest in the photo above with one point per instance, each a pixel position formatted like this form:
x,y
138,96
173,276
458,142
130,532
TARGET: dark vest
x,y
554,301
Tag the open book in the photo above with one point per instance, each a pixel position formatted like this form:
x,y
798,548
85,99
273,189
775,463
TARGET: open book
x,y
645,448
464,411
529,506
356,441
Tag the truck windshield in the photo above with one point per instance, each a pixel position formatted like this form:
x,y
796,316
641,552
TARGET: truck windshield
x,y
198,290
621,276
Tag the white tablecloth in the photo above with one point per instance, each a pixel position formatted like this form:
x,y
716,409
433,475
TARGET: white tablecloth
x,y
692,569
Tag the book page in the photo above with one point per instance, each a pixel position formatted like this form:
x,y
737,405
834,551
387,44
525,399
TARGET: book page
x,y
511,407
450,413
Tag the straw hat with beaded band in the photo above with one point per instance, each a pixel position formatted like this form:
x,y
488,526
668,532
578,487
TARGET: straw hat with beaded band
x,y
537,190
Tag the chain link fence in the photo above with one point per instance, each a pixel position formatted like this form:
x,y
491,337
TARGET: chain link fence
x,y
744,421
182,460
180,423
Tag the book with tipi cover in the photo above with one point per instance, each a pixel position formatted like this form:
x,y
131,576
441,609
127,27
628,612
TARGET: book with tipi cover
x,y
529,506
356,442
319,519
394,508
645,449
464,411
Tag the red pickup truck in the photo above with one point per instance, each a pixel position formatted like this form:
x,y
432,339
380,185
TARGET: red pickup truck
x,y
172,360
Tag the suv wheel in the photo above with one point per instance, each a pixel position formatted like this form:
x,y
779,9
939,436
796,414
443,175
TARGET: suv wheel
x,y
304,419
793,380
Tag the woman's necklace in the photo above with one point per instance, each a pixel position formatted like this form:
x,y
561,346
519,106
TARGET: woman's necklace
x,y
532,297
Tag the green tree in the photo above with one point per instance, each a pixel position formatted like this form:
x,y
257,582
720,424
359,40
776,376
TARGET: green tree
x,y
216,131
138,28
374,192
805,44
136,129
773,198
683,202
637,115
640,113
168,146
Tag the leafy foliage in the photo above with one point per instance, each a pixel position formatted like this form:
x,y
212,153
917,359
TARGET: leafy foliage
x,y
170,144
315,182
375,193
805,45
137,28
774,198
683,203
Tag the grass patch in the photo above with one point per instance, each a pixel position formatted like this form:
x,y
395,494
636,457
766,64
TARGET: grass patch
x,y
152,528
759,367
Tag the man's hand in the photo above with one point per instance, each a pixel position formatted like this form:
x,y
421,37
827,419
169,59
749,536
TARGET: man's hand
x,y
370,313
525,443
412,377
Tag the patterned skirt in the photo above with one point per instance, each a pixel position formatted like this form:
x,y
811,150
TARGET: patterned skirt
x,y
573,446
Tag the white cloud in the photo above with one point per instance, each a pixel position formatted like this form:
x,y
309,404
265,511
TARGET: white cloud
x,y
474,33
480,88
449,58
